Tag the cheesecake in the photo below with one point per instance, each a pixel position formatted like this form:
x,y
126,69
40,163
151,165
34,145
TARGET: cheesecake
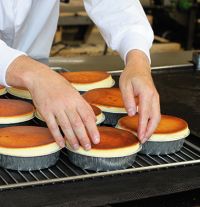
x,y
15,111
87,80
110,101
117,150
19,92
168,137
27,148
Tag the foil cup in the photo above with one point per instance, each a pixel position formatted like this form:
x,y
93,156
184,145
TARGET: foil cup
x,y
161,148
28,163
101,164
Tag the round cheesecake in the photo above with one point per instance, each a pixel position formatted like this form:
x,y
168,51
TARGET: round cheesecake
x,y
27,148
167,138
87,80
100,117
2,90
109,100
15,111
19,92
117,150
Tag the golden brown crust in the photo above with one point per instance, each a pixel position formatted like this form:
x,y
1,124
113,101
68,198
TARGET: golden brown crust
x,y
85,77
15,108
97,111
24,137
110,97
167,125
112,138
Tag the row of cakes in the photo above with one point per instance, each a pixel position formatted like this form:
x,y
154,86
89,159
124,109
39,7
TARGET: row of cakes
x,y
115,146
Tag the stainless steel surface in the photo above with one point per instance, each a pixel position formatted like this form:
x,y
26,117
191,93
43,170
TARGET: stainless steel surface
x,y
115,64
64,171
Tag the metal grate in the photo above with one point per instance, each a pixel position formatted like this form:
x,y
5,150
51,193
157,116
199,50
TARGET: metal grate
x,y
64,171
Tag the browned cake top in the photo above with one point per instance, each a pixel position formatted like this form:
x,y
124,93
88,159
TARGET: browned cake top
x,y
12,108
112,138
85,77
168,124
110,97
24,137
97,111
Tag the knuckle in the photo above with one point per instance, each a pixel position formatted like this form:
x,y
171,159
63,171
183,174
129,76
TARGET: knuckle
x,y
53,127
76,123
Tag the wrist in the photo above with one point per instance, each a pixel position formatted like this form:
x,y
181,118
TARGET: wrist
x,y
137,61
23,72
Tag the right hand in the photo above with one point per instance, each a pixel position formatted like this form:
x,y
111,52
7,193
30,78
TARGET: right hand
x,y
58,103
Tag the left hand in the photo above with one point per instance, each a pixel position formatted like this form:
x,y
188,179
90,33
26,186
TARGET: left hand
x,y
136,81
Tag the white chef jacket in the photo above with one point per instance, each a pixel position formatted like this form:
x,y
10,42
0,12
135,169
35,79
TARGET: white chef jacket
x,y
28,27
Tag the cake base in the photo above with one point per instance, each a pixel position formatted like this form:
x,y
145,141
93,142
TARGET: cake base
x,y
161,148
101,164
28,163
111,119
10,96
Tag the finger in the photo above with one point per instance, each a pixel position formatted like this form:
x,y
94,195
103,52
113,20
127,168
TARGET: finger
x,y
90,125
55,131
129,99
92,114
66,127
155,118
145,106
79,129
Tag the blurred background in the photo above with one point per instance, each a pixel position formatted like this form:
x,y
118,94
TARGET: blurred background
x,y
176,25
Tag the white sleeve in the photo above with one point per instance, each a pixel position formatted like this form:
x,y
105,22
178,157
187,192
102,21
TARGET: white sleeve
x,y
122,23
8,54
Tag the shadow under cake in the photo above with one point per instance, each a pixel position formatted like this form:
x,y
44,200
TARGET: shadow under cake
x,y
168,137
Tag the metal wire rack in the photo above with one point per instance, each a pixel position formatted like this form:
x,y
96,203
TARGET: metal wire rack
x,y
64,171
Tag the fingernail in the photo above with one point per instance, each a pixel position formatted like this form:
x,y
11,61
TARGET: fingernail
x,y
76,146
96,140
144,140
87,146
131,112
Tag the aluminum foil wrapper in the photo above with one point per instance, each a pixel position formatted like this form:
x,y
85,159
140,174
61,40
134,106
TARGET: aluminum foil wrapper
x,y
28,163
101,164
111,119
161,148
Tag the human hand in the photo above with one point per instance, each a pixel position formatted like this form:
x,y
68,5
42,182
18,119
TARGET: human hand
x,y
57,101
136,81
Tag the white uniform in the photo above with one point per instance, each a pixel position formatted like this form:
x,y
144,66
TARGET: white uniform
x,y
28,27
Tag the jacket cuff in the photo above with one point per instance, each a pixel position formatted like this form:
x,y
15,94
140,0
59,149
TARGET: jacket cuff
x,y
8,56
134,41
